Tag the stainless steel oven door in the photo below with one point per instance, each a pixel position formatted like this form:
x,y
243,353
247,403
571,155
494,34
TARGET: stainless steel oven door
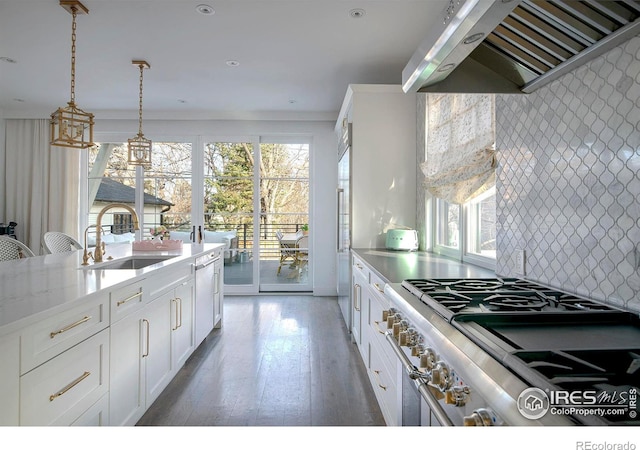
x,y
415,410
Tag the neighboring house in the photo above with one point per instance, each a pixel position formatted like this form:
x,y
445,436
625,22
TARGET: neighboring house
x,y
118,221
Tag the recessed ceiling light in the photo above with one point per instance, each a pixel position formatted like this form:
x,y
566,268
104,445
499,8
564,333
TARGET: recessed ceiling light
x,y
19,100
232,63
473,38
446,67
180,100
8,60
292,101
205,9
357,13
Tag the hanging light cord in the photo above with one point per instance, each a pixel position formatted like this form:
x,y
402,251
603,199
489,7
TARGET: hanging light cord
x,y
73,56
140,110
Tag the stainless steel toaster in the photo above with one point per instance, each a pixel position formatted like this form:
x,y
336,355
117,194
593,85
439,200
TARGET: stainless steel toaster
x,y
402,240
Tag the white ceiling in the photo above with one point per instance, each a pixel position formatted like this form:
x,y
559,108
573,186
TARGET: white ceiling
x,y
296,57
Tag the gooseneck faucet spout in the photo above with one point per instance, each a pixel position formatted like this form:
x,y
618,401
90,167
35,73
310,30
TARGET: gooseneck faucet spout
x,y
98,252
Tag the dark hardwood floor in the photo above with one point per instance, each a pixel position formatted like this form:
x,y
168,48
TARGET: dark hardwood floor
x,y
278,360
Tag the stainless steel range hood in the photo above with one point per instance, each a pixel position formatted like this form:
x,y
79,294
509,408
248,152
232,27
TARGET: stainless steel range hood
x,y
516,46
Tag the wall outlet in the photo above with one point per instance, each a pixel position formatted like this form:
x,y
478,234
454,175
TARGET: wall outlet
x,y
520,262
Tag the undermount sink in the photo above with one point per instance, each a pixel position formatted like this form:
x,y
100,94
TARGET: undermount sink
x,y
132,262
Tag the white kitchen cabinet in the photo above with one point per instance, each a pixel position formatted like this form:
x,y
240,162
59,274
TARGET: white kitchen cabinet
x,y
368,330
381,176
10,380
360,280
61,390
218,293
149,346
182,324
51,336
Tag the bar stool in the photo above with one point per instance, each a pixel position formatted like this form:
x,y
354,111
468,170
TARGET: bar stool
x,y
11,248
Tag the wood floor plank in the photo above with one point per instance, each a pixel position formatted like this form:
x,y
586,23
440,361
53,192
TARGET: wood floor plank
x,y
277,361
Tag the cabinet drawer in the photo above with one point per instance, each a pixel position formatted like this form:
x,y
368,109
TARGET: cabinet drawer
x,y
378,327
360,267
383,380
96,416
50,337
61,390
376,283
125,300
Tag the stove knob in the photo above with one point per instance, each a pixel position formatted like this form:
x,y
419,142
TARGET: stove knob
x,y
428,359
402,325
393,318
417,350
441,376
457,395
481,417
387,313
408,337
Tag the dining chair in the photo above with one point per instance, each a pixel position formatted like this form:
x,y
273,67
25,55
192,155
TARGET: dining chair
x,y
301,256
58,242
11,248
287,252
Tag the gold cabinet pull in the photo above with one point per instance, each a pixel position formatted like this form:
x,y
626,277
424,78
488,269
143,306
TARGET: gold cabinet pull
x,y
356,296
180,302
377,325
175,301
377,373
131,297
377,286
146,353
68,327
69,386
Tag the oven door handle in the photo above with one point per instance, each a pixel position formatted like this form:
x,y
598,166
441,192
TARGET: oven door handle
x,y
423,387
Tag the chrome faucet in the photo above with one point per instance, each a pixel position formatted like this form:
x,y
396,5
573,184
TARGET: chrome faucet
x,y
98,252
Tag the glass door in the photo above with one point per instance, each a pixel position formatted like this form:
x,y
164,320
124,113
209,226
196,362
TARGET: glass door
x,y
283,188
229,209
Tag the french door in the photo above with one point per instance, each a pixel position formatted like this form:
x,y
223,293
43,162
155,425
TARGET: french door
x,y
253,189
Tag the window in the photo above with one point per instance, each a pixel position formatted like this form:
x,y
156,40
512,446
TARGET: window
x,y
467,232
481,225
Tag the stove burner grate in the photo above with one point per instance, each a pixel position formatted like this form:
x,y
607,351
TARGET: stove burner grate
x,y
459,296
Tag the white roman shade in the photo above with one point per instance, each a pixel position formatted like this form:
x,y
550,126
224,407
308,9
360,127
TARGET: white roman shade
x,y
460,159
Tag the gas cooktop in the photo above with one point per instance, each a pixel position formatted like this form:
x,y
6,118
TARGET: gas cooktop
x,y
555,341
451,297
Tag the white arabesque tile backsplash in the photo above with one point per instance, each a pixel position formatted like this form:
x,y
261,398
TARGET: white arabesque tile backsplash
x,y
569,180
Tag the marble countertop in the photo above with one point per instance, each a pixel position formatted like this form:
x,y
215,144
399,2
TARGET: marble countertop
x,y
395,266
32,288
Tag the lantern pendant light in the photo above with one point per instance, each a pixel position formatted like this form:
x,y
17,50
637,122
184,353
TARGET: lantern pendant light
x,y
70,126
139,146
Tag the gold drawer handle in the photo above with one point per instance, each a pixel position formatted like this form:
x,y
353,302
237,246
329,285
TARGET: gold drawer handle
x,y
377,372
377,286
131,297
359,266
68,327
69,386
377,324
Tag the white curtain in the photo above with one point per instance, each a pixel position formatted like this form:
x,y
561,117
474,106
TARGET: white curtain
x,y
460,158
41,182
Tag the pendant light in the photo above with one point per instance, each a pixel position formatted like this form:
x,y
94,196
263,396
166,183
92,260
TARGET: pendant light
x,y
71,126
139,146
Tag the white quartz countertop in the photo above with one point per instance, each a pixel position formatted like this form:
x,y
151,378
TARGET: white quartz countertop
x,y
32,288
